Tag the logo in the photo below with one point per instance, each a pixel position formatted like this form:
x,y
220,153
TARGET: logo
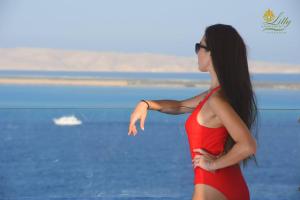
x,y
275,24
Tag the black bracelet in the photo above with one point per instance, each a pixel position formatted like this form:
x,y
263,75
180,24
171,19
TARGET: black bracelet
x,y
148,106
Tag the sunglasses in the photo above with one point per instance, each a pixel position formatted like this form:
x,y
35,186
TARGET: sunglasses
x,y
198,46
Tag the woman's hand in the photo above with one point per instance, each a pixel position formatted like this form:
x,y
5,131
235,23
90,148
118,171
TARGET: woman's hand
x,y
140,112
206,160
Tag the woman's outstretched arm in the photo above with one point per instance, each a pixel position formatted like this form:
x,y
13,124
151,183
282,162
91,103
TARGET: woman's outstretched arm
x,y
176,107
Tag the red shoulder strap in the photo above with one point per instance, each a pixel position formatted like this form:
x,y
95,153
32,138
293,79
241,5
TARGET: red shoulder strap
x,y
212,91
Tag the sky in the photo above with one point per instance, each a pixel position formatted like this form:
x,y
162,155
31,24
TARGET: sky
x,y
169,27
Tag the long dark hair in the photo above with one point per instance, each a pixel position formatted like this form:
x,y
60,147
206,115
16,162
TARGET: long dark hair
x,y
229,59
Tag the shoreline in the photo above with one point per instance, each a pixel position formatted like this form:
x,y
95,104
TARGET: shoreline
x,y
132,83
287,72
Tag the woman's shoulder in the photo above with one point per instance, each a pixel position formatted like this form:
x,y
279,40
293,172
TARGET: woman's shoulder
x,y
218,97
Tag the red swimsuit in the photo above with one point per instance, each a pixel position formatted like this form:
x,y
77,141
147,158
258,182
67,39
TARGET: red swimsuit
x,y
228,180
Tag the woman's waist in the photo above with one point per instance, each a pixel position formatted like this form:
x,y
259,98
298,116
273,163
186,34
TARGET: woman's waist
x,y
211,149
213,141
225,171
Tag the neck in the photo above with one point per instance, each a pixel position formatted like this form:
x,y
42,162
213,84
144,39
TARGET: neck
x,y
213,85
214,81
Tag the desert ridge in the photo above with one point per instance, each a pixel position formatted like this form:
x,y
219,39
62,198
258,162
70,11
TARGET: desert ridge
x,y
72,60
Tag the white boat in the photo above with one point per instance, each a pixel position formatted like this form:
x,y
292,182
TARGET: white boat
x,y
67,121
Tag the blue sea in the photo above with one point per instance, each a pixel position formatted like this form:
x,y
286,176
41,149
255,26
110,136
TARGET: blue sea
x,y
98,160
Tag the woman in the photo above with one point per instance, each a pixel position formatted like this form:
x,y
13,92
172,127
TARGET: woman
x,y
218,128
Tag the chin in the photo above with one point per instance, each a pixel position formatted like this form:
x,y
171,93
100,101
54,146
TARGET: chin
x,y
201,69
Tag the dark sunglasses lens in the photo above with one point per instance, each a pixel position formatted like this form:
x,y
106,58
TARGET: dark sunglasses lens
x,y
197,47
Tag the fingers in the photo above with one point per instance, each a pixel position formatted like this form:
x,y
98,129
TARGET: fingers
x,y
138,113
202,162
198,157
142,122
198,150
197,161
132,128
